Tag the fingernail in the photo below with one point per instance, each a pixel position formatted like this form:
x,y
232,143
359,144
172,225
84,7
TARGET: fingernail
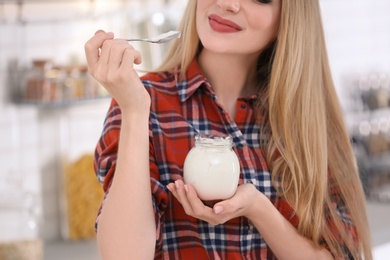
x,y
169,188
218,209
177,184
111,34
186,188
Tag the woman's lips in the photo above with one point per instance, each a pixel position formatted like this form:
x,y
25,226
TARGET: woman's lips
x,y
220,24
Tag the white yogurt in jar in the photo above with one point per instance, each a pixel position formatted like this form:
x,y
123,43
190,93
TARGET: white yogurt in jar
x,y
212,167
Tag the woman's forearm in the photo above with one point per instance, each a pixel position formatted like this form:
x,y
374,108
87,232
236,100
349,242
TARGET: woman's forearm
x,y
126,228
281,236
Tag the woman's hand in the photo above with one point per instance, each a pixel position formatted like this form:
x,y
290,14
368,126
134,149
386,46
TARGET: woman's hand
x,y
241,204
111,62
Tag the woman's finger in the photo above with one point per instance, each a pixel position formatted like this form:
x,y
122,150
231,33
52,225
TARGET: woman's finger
x,y
182,197
92,46
117,52
196,204
99,31
105,51
130,57
240,203
192,205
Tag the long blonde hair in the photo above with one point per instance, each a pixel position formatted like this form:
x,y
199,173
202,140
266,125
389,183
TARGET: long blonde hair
x,y
183,50
315,157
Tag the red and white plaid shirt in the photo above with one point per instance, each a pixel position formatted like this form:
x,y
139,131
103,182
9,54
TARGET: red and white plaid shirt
x,y
182,108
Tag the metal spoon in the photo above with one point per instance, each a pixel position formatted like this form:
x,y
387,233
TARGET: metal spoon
x,y
164,37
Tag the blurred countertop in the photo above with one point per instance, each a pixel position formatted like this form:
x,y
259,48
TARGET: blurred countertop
x,y
69,250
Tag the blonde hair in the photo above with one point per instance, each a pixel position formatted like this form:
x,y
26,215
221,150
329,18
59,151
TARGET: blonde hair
x,y
183,50
308,134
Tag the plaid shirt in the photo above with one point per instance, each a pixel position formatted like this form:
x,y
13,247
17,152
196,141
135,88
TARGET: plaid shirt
x,y
182,108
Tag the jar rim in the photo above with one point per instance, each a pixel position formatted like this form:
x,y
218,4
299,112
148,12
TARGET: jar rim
x,y
218,140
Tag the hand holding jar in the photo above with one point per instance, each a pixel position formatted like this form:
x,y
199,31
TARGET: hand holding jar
x,y
211,173
243,203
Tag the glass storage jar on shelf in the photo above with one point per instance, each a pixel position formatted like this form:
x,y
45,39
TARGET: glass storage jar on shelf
x,y
43,82
74,84
212,167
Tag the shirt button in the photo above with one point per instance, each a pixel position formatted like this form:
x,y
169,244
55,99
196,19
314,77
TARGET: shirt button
x,y
243,106
247,228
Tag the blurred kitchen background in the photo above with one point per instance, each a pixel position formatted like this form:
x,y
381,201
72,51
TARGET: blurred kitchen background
x,y
52,112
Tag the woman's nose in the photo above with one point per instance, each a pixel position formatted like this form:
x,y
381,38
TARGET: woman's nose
x,y
229,5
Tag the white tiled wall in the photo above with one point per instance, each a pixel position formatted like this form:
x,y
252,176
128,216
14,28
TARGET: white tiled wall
x,y
33,140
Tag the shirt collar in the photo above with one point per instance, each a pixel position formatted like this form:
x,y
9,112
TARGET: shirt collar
x,y
194,78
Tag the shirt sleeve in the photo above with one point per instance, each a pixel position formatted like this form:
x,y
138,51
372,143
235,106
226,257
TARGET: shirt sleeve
x,y
105,163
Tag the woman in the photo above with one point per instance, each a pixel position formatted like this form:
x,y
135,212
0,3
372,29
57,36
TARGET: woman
x,y
255,70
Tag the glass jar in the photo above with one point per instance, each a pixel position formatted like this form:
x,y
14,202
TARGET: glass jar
x,y
43,82
212,167
35,80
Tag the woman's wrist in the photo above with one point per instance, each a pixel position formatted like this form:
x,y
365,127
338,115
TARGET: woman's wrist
x,y
135,114
258,206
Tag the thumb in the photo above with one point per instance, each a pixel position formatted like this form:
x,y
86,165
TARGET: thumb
x,y
225,206
231,205
218,208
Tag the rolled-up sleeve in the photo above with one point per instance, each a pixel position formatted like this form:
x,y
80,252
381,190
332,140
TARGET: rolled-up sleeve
x,y
105,163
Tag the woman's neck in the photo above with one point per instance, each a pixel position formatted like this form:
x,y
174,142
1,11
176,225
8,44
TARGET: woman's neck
x,y
229,73
231,76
